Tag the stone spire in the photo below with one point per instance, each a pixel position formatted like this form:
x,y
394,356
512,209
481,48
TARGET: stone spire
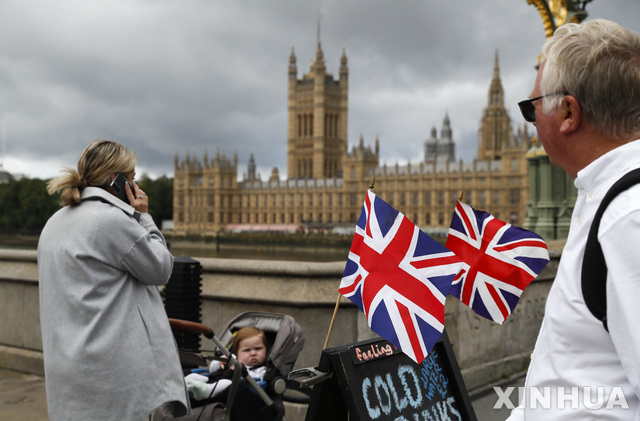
x,y
251,168
495,127
293,68
496,93
344,70
446,134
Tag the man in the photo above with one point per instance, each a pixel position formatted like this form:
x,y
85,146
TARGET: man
x,y
585,105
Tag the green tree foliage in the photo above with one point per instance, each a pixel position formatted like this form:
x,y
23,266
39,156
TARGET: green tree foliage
x,y
25,205
160,194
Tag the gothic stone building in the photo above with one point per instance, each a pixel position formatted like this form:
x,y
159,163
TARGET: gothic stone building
x,y
326,181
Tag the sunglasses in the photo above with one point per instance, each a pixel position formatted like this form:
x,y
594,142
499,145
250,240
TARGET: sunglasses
x,y
528,110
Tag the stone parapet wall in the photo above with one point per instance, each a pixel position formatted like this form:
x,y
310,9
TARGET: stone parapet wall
x,y
485,351
20,338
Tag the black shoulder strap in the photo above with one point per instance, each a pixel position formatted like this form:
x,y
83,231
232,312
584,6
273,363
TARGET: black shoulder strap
x,y
594,268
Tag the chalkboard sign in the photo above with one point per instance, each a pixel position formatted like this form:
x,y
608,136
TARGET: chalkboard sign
x,y
373,380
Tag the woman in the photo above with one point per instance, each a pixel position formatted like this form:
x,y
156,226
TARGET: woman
x,y
108,348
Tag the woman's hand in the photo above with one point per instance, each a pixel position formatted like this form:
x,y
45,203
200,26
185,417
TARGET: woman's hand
x,y
137,198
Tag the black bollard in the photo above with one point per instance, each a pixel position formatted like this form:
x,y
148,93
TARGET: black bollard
x,y
183,299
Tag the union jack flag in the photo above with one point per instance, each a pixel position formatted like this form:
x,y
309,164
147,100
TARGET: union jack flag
x,y
399,278
500,260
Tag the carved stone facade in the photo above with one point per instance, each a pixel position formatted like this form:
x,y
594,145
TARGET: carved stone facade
x,y
326,181
317,129
441,149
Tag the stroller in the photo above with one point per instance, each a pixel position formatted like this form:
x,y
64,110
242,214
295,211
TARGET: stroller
x,y
245,399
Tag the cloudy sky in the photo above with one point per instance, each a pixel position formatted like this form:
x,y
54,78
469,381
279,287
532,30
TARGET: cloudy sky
x,y
177,76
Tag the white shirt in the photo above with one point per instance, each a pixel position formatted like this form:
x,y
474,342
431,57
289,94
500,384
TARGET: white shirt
x,y
579,371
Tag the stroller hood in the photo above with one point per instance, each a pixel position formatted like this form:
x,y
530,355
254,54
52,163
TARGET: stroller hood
x,y
289,336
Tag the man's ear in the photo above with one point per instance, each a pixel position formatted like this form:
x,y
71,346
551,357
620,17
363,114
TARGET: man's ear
x,y
571,115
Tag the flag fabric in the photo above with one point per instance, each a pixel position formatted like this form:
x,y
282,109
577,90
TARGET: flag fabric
x,y
500,260
399,278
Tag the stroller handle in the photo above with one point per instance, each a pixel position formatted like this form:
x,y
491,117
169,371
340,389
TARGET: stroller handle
x,y
191,327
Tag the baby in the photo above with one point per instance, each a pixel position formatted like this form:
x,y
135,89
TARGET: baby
x,y
250,348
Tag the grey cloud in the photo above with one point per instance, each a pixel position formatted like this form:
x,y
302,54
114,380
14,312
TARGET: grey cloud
x,y
167,77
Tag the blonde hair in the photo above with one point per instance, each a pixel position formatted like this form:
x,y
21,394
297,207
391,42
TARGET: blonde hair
x,y
98,162
245,333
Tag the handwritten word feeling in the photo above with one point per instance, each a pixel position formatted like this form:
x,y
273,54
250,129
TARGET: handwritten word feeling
x,y
374,351
398,392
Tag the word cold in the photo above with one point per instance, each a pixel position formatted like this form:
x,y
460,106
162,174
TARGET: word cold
x,y
397,395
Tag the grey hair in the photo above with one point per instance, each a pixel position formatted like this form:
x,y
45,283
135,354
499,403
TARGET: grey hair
x,y
597,62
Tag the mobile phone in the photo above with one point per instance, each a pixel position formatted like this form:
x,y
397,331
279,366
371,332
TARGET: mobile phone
x,y
117,185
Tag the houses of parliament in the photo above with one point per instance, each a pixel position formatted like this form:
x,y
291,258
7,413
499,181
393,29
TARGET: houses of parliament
x,y
327,181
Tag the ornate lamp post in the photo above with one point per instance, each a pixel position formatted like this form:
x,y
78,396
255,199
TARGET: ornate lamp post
x,y
555,13
552,194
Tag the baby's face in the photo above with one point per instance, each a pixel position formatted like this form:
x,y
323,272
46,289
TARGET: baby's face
x,y
252,352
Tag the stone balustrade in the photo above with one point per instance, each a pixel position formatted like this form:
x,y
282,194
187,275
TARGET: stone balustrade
x,y
485,351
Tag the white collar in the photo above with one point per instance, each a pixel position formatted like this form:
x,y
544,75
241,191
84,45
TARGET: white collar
x,y
609,167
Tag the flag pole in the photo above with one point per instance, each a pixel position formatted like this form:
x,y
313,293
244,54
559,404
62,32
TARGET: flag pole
x,y
333,319
335,309
460,195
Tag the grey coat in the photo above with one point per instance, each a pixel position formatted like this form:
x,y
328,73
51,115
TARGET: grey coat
x,y
109,353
